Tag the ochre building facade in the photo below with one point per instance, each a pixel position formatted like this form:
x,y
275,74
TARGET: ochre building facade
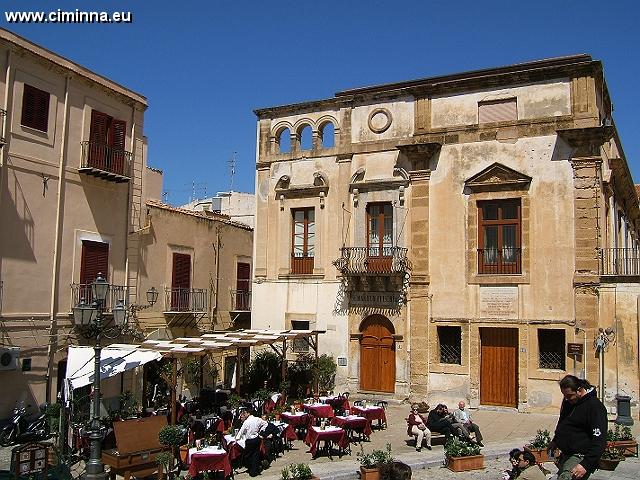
x,y
455,237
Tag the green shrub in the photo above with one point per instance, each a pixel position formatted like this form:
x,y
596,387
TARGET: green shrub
x,y
541,440
264,367
325,372
376,458
297,471
460,448
171,435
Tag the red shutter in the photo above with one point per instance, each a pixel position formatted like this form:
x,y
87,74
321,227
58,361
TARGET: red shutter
x,y
243,277
35,108
95,260
98,136
118,136
180,282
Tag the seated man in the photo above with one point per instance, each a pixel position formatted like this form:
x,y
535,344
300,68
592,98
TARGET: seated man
x,y
439,420
417,426
463,416
250,432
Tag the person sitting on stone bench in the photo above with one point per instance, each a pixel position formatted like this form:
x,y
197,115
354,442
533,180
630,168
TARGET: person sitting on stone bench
x,y
417,427
440,420
463,416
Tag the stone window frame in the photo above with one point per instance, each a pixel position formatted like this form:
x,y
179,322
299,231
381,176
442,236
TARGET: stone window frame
x,y
473,277
535,372
434,353
441,329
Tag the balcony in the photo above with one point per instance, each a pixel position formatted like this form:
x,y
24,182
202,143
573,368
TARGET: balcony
x,y
500,261
240,300
620,262
104,161
185,300
373,261
82,291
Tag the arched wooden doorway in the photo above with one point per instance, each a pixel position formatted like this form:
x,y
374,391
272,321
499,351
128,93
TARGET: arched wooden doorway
x,y
377,355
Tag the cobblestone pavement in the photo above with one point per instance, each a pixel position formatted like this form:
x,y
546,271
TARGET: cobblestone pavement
x,y
503,429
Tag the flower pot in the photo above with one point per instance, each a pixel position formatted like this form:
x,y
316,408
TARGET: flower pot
x,y
608,464
184,451
369,473
540,454
464,464
628,448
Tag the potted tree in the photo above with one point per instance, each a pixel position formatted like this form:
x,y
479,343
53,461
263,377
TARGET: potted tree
x,y
539,444
461,456
370,463
622,438
171,436
298,471
610,458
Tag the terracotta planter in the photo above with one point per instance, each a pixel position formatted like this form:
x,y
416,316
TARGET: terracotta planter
x,y
628,448
540,453
184,451
369,473
607,464
464,464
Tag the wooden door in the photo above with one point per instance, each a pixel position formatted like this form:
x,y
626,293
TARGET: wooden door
x,y
499,366
377,355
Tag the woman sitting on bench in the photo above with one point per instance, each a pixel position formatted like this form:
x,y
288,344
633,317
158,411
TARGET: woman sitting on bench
x,y
417,426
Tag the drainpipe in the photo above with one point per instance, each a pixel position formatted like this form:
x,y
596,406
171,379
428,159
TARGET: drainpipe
x,y
55,271
214,307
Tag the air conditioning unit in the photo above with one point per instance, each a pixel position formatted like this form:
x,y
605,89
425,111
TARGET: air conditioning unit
x,y
9,358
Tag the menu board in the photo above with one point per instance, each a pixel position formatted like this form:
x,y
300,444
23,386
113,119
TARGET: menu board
x,y
29,458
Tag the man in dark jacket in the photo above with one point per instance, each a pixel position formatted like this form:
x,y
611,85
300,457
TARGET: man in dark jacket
x,y
439,420
581,433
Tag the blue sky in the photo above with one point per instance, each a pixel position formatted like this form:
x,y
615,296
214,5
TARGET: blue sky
x,y
206,65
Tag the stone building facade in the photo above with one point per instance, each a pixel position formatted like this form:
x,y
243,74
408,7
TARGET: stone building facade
x,y
455,237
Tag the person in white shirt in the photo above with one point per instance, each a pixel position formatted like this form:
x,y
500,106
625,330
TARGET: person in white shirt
x,y
463,416
250,433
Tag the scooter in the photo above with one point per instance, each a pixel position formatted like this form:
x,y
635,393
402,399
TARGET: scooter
x,y
21,430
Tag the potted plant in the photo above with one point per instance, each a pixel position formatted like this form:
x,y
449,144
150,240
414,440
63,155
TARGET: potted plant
x,y
539,444
461,456
610,458
164,461
622,438
370,463
298,471
171,436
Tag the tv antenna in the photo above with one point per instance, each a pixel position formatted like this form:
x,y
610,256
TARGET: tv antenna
x,y
232,170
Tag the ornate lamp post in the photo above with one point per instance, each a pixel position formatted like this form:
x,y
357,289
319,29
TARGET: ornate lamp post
x,y
604,338
90,319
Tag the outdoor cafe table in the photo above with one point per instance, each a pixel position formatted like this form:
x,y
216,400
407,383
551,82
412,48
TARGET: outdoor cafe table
x,y
299,419
337,402
286,431
353,423
319,410
235,448
329,435
371,413
208,459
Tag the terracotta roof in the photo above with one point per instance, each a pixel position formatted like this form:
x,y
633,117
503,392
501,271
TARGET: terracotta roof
x,y
637,190
200,214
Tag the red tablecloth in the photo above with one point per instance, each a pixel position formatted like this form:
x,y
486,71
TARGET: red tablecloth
x,y
300,420
289,433
357,424
340,403
319,410
208,460
234,449
331,434
272,402
370,413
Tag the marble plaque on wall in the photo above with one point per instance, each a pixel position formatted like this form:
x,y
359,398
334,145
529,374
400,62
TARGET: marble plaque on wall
x,y
498,302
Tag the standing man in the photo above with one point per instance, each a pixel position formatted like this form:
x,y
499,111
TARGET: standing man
x,y
463,416
250,433
581,433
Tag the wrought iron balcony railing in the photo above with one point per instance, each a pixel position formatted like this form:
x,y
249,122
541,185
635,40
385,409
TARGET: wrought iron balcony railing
x,y
185,300
373,260
500,261
620,261
241,300
82,291
103,157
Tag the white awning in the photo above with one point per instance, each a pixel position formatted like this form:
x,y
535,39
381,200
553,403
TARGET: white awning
x,y
114,359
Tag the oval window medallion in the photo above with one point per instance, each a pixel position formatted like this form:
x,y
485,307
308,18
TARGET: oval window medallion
x,y
379,120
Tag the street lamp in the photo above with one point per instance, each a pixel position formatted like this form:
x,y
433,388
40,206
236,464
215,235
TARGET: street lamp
x,y
90,320
604,338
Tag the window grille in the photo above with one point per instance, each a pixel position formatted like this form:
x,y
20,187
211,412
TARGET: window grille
x,y
551,349
450,341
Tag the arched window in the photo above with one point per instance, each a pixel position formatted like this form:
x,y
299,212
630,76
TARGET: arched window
x,y
306,142
284,141
327,135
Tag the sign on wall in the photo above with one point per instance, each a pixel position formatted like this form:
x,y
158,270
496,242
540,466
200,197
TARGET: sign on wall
x,y
374,299
498,302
